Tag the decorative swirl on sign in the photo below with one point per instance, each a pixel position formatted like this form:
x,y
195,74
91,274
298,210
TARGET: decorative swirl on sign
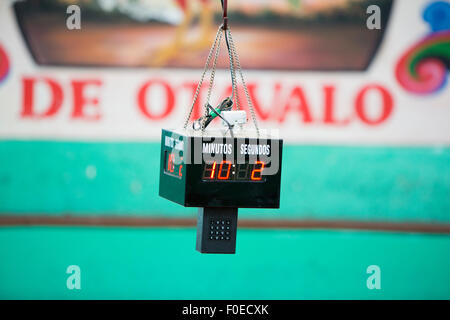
x,y
423,68
4,64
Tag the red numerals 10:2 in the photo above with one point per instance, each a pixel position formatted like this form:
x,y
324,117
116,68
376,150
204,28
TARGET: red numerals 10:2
x,y
225,170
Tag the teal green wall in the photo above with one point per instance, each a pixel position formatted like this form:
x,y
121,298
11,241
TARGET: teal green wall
x,y
390,184
318,182
269,264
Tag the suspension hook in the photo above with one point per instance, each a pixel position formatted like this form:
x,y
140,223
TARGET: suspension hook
x,y
225,14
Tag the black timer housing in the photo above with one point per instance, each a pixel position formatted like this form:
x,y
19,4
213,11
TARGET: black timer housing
x,y
220,173
222,170
213,170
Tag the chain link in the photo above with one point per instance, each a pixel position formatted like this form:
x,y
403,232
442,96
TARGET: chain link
x,y
211,80
238,66
234,91
233,77
234,64
197,91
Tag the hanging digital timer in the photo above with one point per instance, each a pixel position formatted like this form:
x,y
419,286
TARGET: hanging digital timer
x,y
198,171
220,170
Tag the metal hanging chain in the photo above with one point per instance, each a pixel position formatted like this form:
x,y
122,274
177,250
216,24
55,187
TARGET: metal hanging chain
x,y
213,69
234,64
238,66
211,80
197,91
234,91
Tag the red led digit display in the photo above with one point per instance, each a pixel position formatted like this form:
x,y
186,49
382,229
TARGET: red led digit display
x,y
226,171
257,171
170,167
209,171
170,164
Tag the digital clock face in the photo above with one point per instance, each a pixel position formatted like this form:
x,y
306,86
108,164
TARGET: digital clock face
x,y
220,171
227,171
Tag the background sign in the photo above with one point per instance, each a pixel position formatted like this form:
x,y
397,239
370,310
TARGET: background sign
x,y
314,70
362,104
